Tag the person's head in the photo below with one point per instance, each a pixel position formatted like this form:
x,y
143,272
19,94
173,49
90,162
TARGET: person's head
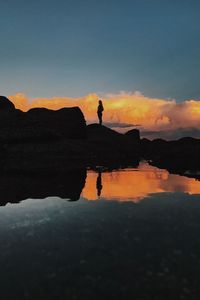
x,y
100,102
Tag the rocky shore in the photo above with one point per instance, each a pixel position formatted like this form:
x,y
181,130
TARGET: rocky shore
x,y
43,141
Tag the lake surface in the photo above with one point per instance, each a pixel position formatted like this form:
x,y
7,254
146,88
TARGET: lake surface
x,y
136,184
133,234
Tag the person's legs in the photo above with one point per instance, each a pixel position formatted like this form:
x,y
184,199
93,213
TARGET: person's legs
x,y
100,118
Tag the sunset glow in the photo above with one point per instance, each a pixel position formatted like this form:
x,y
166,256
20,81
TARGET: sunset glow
x,y
124,108
136,184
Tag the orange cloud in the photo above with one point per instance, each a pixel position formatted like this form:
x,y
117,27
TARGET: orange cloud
x,y
132,108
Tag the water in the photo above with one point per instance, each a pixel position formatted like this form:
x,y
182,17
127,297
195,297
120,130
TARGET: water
x,y
133,234
136,184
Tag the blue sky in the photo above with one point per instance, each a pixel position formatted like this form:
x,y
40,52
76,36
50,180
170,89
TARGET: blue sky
x,y
75,47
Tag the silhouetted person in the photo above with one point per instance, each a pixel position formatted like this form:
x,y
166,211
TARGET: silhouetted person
x,y
100,112
99,185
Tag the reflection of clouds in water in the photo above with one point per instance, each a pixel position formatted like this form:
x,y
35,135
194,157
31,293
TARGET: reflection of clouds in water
x,y
135,184
175,184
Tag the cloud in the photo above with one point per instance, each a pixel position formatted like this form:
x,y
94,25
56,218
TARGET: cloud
x,y
153,114
119,125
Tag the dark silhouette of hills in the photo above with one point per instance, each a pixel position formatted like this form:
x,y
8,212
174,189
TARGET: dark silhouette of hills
x,y
6,104
43,141
39,123
45,153
67,122
107,146
177,156
134,134
172,134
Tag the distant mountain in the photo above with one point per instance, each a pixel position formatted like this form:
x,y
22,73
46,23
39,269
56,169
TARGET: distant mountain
x,y
171,134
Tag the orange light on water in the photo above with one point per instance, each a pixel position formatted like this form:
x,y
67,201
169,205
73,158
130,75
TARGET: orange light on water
x,y
136,184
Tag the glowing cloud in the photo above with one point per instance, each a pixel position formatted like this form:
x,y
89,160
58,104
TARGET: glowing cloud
x,y
125,108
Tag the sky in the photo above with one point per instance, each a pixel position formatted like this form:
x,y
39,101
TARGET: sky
x,y
75,48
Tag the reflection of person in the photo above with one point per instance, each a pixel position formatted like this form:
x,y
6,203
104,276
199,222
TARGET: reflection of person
x,y
99,185
100,111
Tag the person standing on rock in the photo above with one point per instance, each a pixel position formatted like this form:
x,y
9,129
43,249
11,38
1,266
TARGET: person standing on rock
x,y
100,111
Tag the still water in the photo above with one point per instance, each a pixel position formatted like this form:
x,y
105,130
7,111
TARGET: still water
x,y
133,234
136,184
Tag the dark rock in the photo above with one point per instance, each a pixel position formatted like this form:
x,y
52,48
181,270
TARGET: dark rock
x,y
39,124
69,122
134,134
101,132
176,156
66,185
6,104
110,147
16,127
43,140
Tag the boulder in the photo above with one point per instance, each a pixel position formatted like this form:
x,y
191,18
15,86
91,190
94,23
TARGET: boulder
x,y
6,104
110,147
40,124
68,122
134,134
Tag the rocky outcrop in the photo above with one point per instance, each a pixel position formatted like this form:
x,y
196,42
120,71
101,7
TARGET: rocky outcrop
x,y
110,147
45,141
6,104
176,156
68,122
134,134
39,124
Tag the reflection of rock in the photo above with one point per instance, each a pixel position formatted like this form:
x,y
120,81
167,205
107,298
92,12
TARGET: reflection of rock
x,y
43,139
46,140
175,156
34,158
66,185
